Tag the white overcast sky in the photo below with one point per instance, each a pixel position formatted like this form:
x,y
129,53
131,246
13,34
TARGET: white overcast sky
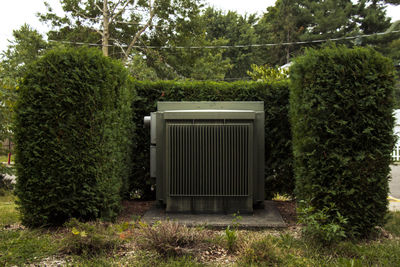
x,y
17,12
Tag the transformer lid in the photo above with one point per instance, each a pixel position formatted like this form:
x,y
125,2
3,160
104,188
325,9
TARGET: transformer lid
x,y
209,114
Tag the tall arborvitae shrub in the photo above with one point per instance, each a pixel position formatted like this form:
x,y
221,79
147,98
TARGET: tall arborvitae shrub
x,y
73,130
278,154
341,114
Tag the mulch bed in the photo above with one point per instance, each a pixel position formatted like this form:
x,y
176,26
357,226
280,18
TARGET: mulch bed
x,y
132,208
288,211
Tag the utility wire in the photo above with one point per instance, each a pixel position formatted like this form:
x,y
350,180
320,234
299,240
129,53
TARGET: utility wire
x,y
237,46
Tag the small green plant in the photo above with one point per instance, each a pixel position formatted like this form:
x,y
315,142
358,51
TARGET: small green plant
x,y
136,194
325,227
231,238
90,239
282,197
231,235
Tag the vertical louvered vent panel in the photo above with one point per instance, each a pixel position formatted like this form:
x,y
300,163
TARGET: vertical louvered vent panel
x,y
208,159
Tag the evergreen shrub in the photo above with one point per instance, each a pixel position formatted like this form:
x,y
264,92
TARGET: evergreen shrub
x,y
278,152
73,131
341,105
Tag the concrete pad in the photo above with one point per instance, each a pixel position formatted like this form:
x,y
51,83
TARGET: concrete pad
x,y
394,183
267,217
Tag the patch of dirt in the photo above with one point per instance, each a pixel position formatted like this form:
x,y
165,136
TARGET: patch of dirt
x,y
52,261
13,227
134,208
288,211
217,255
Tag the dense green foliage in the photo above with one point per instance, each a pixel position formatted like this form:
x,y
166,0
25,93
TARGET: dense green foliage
x,y
73,123
278,157
207,43
341,116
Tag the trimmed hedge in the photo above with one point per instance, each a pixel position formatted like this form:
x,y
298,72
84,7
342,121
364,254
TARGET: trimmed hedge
x,y
73,129
341,115
278,155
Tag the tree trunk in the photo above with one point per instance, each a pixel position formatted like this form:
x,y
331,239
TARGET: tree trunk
x,y
288,47
106,33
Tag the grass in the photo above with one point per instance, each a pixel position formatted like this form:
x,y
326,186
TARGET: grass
x,y
19,247
8,212
169,244
4,158
393,224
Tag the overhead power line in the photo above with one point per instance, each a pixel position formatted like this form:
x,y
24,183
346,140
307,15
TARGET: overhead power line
x,y
237,46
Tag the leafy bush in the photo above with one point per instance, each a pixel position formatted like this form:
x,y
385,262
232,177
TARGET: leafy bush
x,y
89,239
266,73
320,227
341,115
278,155
73,129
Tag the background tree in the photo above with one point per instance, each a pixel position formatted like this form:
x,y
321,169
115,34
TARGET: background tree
x,y
188,55
118,23
26,46
283,23
236,30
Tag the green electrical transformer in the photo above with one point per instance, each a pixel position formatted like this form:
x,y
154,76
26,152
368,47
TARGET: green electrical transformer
x,y
208,157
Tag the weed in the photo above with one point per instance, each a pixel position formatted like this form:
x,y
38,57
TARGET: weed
x,y
320,226
231,235
231,238
283,197
90,239
135,218
170,238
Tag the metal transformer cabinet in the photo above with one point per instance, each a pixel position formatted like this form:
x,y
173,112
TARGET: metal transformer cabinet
x,y
208,157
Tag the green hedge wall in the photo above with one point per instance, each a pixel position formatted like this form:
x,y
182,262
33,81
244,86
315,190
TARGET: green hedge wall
x,y
73,129
278,152
342,124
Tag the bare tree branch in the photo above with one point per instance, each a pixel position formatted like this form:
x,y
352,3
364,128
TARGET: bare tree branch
x,y
96,30
119,11
99,8
116,5
120,46
137,35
